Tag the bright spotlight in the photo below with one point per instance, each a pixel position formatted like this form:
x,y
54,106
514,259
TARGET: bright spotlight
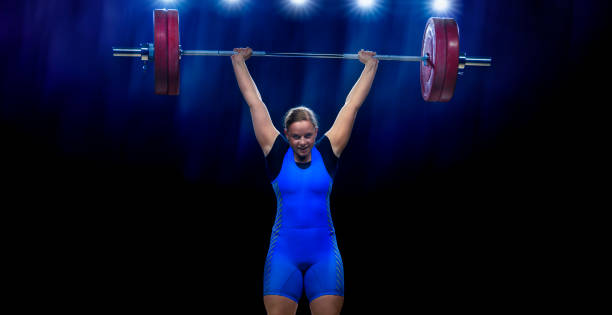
x,y
299,9
366,9
173,3
440,5
232,7
366,4
298,2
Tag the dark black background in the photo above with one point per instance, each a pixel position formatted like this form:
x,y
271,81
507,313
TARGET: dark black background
x,y
124,200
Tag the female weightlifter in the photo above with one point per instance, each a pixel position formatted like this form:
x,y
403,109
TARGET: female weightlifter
x,y
303,251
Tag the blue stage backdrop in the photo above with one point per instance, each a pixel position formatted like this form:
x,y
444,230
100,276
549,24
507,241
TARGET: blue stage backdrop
x,y
154,192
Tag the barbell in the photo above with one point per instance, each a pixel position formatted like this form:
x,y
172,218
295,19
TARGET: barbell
x,y
440,60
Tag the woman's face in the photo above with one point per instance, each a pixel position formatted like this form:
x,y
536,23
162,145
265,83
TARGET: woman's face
x,y
301,136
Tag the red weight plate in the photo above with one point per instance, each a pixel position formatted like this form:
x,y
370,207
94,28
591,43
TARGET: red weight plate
x,y
434,70
160,25
452,60
426,68
173,53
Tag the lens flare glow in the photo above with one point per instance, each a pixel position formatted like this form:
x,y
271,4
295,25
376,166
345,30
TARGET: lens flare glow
x,y
440,5
233,7
299,2
366,4
298,9
444,8
232,3
366,9
168,2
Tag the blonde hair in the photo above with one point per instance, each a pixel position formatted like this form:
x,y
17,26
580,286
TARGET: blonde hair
x,y
300,113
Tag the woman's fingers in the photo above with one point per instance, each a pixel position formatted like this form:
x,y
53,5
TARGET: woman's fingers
x,y
243,53
367,52
366,56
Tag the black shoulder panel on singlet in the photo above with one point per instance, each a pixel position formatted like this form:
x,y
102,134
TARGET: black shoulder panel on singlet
x,y
274,159
329,158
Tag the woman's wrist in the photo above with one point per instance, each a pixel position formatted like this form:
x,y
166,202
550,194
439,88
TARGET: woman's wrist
x,y
371,64
237,59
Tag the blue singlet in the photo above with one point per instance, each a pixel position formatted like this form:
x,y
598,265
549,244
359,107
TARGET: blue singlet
x,y
303,253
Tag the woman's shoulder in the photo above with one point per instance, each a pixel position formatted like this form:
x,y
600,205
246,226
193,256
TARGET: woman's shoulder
x,y
322,140
280,146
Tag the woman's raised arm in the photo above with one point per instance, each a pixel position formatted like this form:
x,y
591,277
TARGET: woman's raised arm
x,y
265,132
340,131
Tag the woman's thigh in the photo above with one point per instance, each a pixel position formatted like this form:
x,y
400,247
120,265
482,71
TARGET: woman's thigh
x,y
327,305
279,305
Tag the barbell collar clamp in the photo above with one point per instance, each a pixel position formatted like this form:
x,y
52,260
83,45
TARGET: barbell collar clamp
x,y
127,52
465,61
145,52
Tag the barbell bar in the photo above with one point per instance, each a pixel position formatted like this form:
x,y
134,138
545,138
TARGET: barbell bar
x,y
143,53
440,59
